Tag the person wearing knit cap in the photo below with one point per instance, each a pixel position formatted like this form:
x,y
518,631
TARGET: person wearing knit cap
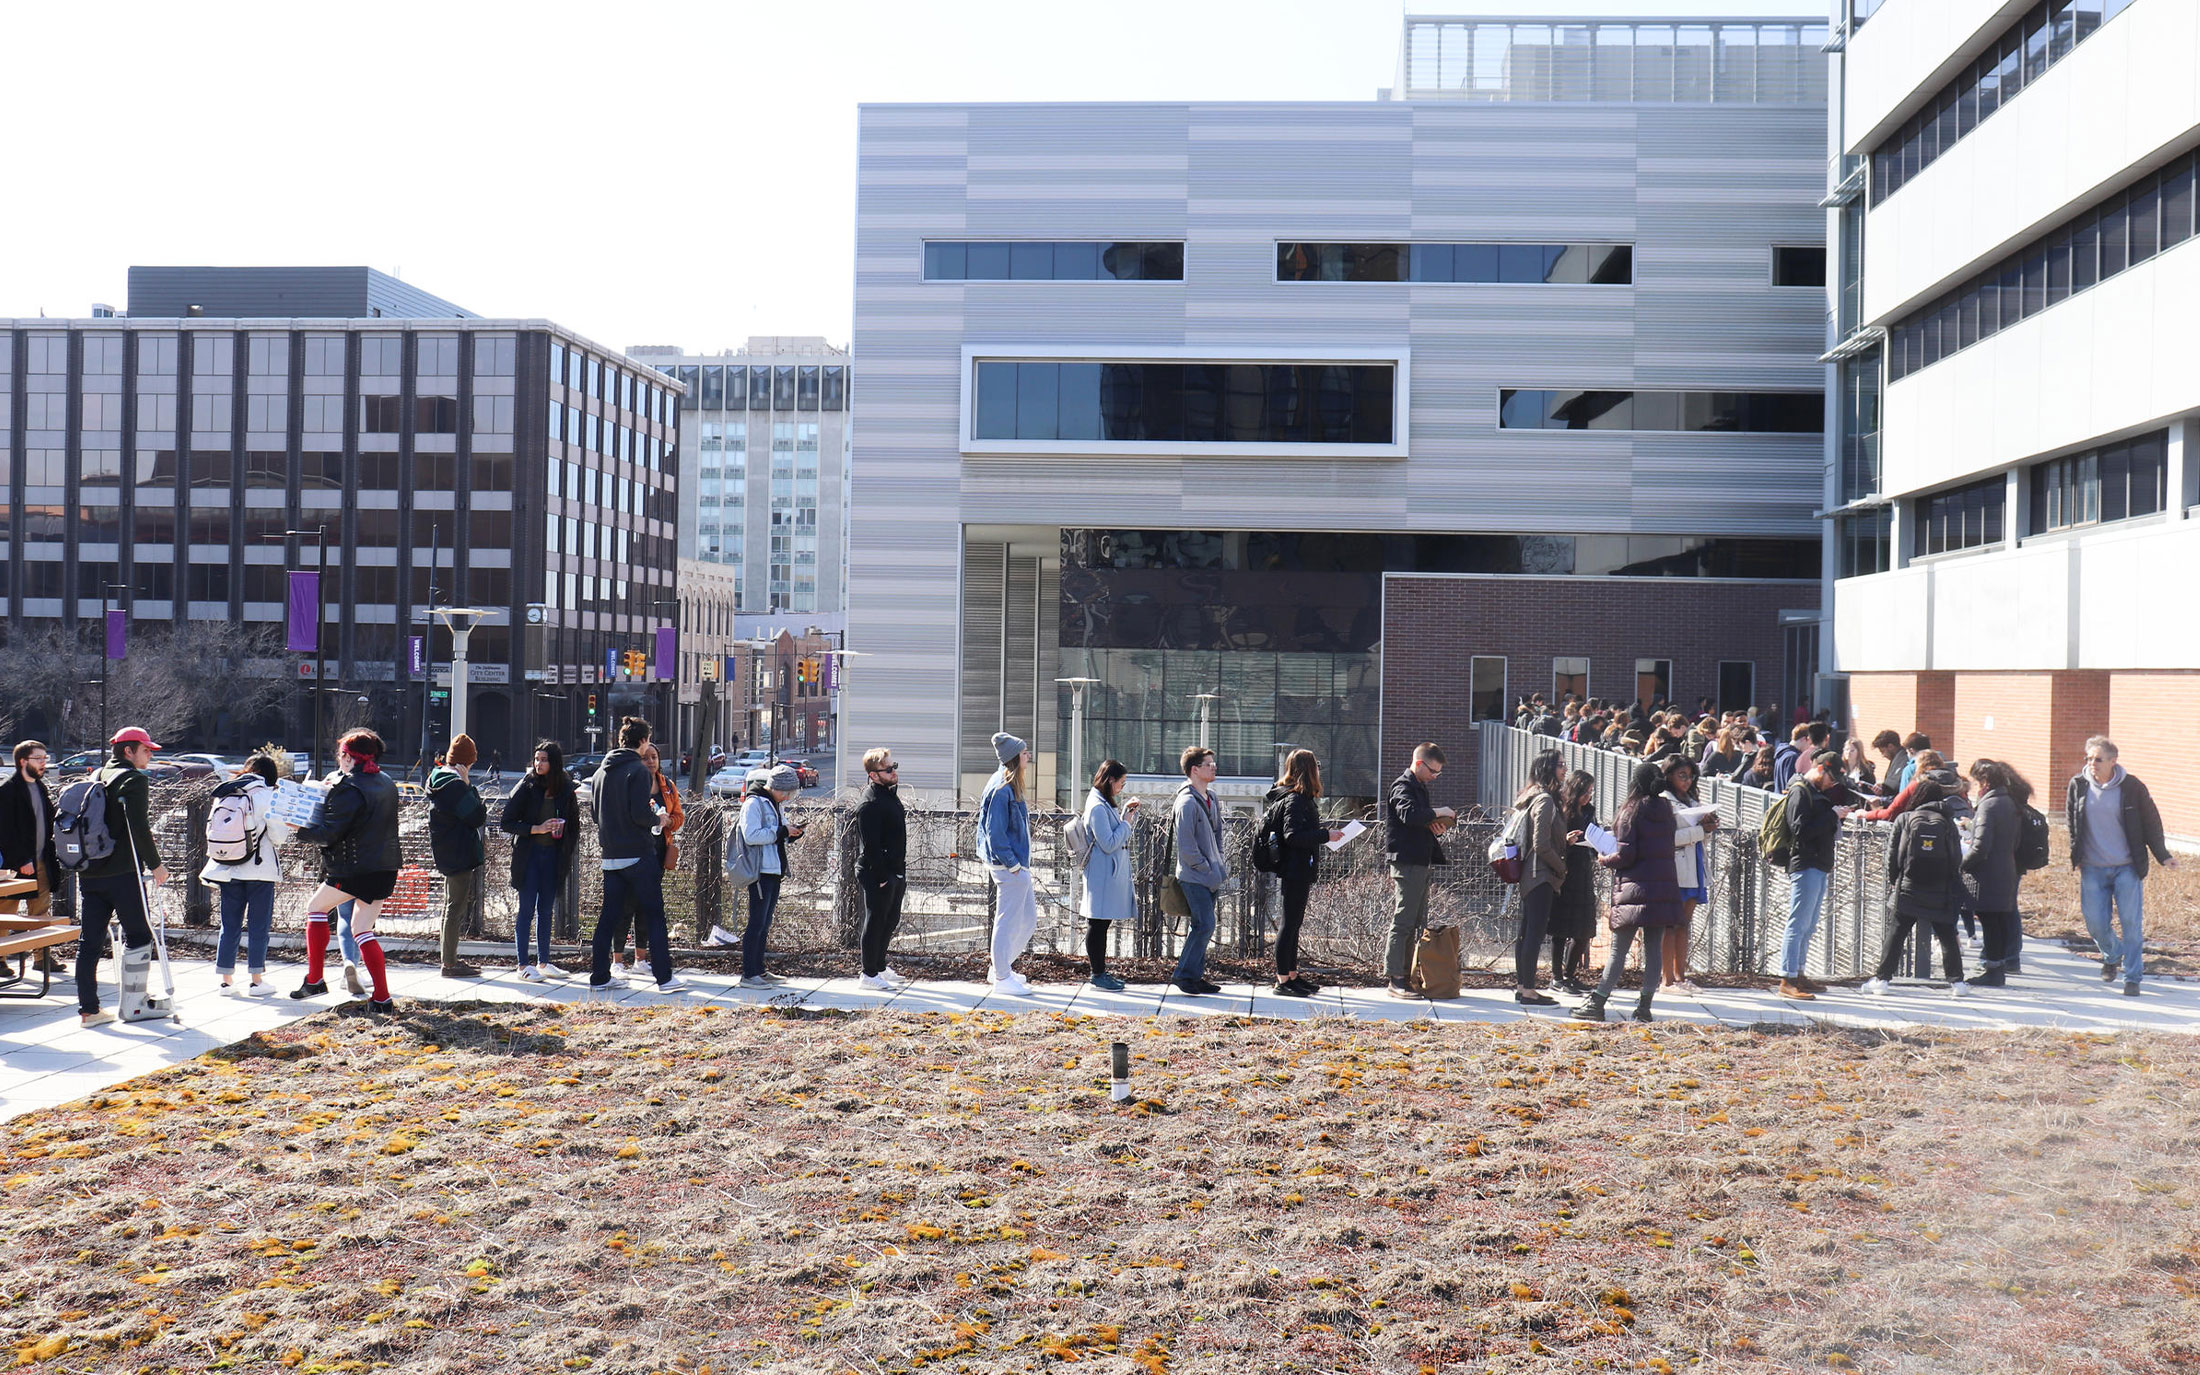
x,y
1004,843
456,815
764,827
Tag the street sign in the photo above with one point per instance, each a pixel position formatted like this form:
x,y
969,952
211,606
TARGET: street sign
x,y
439,694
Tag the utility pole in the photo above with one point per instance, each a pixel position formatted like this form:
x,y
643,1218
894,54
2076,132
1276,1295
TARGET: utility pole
x,y
427,651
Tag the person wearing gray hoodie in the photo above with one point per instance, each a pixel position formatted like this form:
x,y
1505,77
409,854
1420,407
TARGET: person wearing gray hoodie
x,y
2114,825
1200,866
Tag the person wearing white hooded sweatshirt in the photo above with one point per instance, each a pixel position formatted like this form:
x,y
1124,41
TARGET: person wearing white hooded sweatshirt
x,y
247,884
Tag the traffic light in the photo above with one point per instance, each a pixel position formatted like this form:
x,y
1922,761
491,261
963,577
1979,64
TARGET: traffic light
x,y
591,704
634,663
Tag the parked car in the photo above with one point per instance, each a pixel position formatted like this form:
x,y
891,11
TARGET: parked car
x,y
582,766
727,782
219,763
750,759
79,762
803,773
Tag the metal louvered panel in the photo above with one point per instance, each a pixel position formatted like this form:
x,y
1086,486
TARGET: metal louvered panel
x,y
984,584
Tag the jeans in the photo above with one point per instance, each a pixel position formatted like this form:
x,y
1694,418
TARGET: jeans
x,y
1535,919
1653,958
1296,890
1806,901
248,909
881,914
763,901
1015,917
121,897
1409,910
459,892
643,884
1191,962
2100,885
1898,941
538,895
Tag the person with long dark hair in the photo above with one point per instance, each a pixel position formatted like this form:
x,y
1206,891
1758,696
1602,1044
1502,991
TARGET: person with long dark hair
x,y
1924,886
1691,868
1299,858
1542,871
1646,896
543,814
1993,872
1111,893
1574,915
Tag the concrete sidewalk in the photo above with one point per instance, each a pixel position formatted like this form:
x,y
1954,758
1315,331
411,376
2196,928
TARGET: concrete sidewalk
x,y
46,1058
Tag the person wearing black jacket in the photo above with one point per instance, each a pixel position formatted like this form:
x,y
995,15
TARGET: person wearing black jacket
x,y
456,814
1299,861
1992,868
26,826
2114,826
360,858
882,864
1412,824
543,816
1815,822
1924,885
113,887
1574,914
629,822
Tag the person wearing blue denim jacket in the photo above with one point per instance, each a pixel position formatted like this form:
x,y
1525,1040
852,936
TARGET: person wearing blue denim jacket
x,y
1004,844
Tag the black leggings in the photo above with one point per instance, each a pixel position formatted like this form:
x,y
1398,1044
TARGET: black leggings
x,y
1096,945
1898,940
1568,955
1535,918
2003,938
1295,892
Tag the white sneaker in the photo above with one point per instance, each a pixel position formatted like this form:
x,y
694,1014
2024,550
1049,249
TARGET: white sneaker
x,y
1687,986
756,981
260,990
889,972
552,972
530,973
1012,984
675,984
1878,988
719,935
230,990
1959,989
879,983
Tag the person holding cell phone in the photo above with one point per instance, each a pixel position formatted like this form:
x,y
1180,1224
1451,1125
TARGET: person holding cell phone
x,y
543,816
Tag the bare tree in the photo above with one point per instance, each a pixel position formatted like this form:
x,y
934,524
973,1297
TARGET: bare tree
x,y
171,682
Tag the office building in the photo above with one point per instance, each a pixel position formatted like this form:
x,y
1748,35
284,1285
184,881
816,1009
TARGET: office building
x,y
2015,199
764,469
1342,424
510,465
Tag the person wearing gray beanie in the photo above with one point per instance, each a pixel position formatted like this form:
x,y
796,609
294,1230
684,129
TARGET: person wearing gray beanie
x,y
1004,843
765,829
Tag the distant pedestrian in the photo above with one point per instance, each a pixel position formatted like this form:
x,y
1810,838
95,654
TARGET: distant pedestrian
x,y
882,865
1299,858
2114,826
496,767
456,815
543,816
1111,875
1542,871
360,858
1574,914
114,887
629,829
1004,845
1413,826
1645,895
1993,870
765,829
1924,887
26,827
242,862
1814,820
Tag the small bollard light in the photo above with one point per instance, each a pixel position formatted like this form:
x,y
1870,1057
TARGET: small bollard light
x,y
1119,1058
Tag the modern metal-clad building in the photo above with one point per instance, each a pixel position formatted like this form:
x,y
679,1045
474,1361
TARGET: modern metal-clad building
x,y
1344,424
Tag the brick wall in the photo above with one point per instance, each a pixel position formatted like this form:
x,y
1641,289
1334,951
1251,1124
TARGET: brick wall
x,y
1903,702
2154,719
1432,627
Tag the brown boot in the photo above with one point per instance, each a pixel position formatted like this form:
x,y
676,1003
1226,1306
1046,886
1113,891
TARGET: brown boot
x,y
1793,988
1810,985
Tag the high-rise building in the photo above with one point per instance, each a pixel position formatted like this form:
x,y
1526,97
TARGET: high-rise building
x,y
764,468
1342,425
2011,504
510,465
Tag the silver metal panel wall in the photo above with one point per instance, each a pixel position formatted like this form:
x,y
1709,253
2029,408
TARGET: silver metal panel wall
x,y
1702,192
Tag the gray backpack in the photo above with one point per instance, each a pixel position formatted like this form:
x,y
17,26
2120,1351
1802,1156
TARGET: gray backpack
x,y
80,834
743,864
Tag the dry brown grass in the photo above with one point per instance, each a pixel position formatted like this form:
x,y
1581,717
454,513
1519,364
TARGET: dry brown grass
x,y
2049,899
494,1188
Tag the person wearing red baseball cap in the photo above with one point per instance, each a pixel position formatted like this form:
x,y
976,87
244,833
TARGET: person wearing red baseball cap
x,y
360,858
110,888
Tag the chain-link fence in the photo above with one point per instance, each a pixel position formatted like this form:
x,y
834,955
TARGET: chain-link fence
x,y
1739,929
950,901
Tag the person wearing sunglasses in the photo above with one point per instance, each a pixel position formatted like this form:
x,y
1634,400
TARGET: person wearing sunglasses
x,y
882,865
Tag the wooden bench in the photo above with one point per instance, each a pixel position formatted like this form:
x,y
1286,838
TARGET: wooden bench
x,y
23,936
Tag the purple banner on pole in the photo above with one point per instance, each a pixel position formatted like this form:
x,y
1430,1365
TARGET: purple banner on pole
x,y
417,657
305,613
832,663
668,649
117,636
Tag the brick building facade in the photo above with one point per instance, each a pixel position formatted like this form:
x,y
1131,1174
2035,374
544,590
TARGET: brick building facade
x,y
1435,626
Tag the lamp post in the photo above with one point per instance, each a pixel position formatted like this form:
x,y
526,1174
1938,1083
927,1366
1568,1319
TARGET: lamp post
x,y
1077,688
106,648
427,652
461,620
1206,701
320,623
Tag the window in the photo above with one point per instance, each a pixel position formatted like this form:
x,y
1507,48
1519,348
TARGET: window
x,y
493,414
207,582
2127,228
2043,35
212,355
2118,482
381,414
149,581
1865,542
805,387
1050,261
156,355
102,355
324,355
783,388
1617,61
1569,675
1737,685
320,414
1556,264
834,394
1966,517
1799,266
436,414
1235,403
1690,411
436,355
381,355
378,471
1653,681
1486,688
210,468
320,470
494,355
760,388
211,412
267,469
99,465
268,355
267,414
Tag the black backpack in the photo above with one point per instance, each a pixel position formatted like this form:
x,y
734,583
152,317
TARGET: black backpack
x,y
1268,841
1932,856
2032,833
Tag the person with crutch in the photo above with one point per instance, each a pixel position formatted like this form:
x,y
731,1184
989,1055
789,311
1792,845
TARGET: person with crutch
x,y
112,885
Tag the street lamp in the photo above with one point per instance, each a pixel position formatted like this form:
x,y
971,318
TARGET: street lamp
x,y
461,621
1077,688
320,622
1206,700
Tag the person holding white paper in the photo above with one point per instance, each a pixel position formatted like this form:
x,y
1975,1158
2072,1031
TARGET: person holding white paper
x,y
1692,822
1574,914
1291,803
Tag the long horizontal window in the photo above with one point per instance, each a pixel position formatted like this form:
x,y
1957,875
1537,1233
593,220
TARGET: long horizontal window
x,y
1228,403
1743,412
1746,62
2118,482
1571,264
1966,517
2044,35
1043,260
2122,231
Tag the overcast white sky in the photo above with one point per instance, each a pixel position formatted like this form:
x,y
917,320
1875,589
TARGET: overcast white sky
x,y
676,173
